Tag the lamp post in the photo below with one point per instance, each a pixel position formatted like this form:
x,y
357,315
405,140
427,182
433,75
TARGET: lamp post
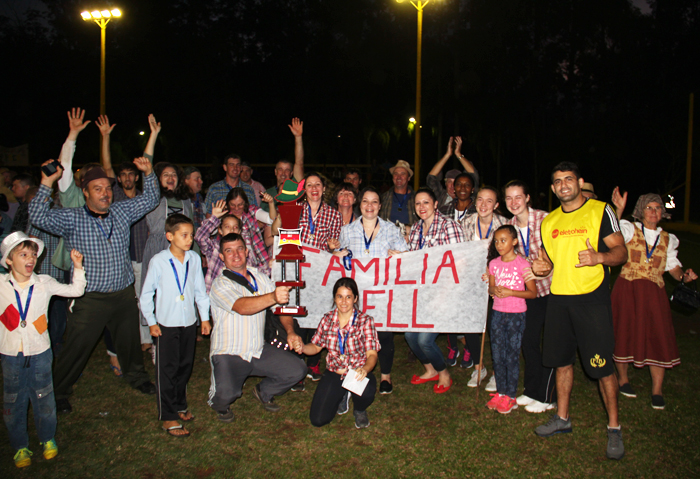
x,y
102,18
420,5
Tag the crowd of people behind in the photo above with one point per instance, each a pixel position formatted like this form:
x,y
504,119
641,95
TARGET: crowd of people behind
x,y
155,269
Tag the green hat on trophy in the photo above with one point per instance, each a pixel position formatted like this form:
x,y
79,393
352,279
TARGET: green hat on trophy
x,y
290,191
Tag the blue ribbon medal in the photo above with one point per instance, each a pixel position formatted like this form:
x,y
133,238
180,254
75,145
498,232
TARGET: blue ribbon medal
x,y
23,312
177,279
342,342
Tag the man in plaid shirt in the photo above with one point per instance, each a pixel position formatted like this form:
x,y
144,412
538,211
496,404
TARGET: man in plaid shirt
x,y
100,230
219,190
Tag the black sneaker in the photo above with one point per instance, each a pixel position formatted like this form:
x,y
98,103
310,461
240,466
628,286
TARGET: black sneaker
x,y
225,416
344,405
385,387
299,387
657,401
361,419
269,405
147,388
626,390
616,449
555,425
63,406
314,373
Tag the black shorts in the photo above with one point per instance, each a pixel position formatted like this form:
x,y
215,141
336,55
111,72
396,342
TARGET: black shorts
x,y
572,324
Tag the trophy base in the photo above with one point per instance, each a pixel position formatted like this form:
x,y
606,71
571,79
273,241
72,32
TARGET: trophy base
x,y
291,311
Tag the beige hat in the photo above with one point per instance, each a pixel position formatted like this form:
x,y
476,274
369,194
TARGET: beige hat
x,y
589,188
402,164
12,240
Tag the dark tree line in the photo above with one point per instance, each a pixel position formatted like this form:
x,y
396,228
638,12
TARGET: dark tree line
x,y
527,83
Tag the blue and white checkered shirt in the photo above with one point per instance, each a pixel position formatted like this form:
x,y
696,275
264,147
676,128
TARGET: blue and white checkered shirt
x,y
218,191
106,249
387,237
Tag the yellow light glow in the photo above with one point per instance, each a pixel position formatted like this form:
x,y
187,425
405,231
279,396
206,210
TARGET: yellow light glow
x,y
86,16
142,133
96,15
105,14
412,120
116,13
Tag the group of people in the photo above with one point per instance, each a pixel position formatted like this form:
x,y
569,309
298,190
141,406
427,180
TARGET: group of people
x,y
149,266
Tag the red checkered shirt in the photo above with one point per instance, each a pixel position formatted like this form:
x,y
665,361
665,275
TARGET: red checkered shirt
x,y
260,259
361,337
327,224
443,230
534,222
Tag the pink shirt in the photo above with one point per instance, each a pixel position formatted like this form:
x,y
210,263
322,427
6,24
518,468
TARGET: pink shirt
x,y
509,275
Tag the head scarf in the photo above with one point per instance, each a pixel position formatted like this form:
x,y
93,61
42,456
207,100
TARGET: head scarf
x,y
642,203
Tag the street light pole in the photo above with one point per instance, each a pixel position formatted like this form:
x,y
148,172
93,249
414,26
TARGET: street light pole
x,y
102,18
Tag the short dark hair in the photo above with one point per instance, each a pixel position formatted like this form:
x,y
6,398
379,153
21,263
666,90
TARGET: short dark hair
x,y
126,166
369,189
235,156
231,215
230,238
466,175
25,179
427,191
567,166
345,186
189,170
173,222
352,171
493,252
346,283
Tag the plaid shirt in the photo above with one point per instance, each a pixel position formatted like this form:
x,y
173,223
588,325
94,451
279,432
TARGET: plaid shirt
x,y
442,231
469,223
327,224
107,261
219,190
534,222
139,230
361,337
260,258
388,237
44,262
388,204
198,215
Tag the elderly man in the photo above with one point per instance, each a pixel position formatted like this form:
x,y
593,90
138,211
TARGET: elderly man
x,y
581,240
219,190
99,230
397,203
239,300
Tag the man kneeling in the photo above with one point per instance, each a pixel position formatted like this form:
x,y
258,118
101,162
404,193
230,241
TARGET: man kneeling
x,y
239,300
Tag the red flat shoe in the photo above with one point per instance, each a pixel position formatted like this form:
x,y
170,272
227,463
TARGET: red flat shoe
x,y
437,389
418,380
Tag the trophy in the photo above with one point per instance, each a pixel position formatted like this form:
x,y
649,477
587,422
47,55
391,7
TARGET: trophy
x,y
290,243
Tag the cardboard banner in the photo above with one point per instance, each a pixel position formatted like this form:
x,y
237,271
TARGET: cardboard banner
x,y
437,290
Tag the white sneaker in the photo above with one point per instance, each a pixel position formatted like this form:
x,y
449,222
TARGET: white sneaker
x,y
472,382
524,400
538,407
491,386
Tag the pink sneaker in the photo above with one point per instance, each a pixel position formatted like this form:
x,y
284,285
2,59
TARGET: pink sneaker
x,y
495,401
507,404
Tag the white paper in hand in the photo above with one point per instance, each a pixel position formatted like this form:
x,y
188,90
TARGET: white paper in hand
x,y
353,385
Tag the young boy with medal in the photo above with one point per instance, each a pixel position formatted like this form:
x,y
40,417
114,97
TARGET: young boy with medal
x,y
25,346
175,278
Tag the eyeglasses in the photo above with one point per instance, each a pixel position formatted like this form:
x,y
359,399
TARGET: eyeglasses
x,y
654,208
169,175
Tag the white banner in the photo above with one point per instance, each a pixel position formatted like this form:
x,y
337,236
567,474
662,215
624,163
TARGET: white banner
x,y
437,290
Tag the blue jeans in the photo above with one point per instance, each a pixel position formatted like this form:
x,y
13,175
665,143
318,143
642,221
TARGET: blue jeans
x,y
28,378
506,337
426,350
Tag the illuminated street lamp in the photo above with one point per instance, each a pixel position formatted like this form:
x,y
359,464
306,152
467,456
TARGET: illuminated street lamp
x,y
102,18
419,4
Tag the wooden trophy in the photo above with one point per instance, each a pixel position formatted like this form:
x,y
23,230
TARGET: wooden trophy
x,y
290,244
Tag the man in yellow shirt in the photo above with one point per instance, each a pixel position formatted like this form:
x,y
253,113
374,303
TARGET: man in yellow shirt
x,y
581,241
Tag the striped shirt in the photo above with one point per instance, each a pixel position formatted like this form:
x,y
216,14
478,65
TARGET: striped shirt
x,y
387,237
103,243
236,334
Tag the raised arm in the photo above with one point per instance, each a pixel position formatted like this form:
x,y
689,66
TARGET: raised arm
x,y
55,221
155,129
468,165
105,130
441,164
75,126
137,207
620,201
297,129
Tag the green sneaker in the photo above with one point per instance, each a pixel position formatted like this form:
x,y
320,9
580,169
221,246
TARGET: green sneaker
x,y
50,449
23,458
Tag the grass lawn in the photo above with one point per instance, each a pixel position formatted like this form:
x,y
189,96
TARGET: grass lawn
x,y
113,431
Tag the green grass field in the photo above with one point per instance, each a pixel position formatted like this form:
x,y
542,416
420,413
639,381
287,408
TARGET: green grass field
x,y
113,431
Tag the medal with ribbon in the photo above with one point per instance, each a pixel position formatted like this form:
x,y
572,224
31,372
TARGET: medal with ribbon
x,y
421,242
312,226
399,208
342,342
525,245
177,279
23,312
646,245
368,241
478,223
253,286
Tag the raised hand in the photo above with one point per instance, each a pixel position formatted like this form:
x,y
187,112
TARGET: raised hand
x,y
155,126
50,180
458,145
104,126
620,201
76,123
143,165
297,127
219,208
587,257
540,266
77,258
450,150
266,197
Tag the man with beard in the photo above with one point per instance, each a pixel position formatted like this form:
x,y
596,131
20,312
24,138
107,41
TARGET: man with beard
x,y
397,203
100,230
284,169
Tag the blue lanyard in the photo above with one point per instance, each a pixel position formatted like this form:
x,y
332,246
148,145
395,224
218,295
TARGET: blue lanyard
x,y
253,286
312,227
177,279
368,241
421,242
343,341
347,260
461,215
99,225
526,246
646,245
478,223
23,312
400,202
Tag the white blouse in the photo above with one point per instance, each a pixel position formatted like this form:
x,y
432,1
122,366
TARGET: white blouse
x,y
627,229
